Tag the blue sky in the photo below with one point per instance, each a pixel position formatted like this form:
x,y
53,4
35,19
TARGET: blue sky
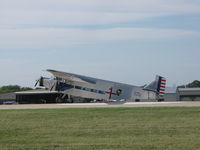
x,y
129,41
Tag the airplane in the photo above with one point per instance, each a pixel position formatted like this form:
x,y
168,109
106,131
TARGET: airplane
x,y
72,86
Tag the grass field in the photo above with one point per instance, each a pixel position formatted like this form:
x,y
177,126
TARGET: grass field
x,y
161,128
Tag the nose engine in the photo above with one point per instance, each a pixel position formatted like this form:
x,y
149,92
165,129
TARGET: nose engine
x,y
41,81
48,83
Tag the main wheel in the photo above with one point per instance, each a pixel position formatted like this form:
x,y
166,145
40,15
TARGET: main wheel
x,y
58,100
70,100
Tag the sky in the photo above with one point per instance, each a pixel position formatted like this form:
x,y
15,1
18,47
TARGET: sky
x,y
129,41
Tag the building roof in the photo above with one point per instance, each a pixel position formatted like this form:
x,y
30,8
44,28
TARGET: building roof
x,y
37,91
188,89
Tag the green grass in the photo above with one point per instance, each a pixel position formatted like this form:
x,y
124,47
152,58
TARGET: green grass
x,y
101,129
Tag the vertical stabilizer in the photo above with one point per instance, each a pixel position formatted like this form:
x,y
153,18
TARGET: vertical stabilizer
x,y
158,86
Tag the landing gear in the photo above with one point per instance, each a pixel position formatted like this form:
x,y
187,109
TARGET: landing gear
x,y
69,99
64,99
59,100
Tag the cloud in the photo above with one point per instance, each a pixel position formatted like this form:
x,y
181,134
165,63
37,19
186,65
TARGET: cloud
x,y
104,5
46,37
89,12
50,18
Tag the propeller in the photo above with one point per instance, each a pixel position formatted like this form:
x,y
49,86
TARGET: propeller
x,y
40,81
37,81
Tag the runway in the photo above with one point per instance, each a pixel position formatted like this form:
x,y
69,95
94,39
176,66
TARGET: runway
x,y
100,105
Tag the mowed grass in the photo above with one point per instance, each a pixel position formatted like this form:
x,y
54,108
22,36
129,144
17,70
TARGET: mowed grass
x,y
155,128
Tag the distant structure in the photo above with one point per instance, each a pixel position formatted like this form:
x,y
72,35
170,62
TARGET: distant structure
x,y
7,97
37,96
170,94
188,94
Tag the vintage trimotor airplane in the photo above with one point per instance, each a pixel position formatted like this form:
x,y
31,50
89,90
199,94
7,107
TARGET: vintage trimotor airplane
x,y
71,86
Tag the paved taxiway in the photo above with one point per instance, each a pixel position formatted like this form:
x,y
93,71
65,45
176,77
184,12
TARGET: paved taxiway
x,y
96,105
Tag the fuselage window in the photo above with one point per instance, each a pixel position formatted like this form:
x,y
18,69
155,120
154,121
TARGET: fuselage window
x,y
88,89
101,92
78,87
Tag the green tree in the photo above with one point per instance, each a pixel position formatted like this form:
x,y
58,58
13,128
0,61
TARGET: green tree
x,y
194,84
13,88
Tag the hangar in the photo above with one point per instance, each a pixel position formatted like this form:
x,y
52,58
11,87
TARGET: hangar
x,y
36,96
188,94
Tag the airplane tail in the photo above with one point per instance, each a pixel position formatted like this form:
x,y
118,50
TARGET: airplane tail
x,y
158,86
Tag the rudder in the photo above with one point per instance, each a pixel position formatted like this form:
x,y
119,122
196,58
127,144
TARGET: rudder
x,y
158,86
161,86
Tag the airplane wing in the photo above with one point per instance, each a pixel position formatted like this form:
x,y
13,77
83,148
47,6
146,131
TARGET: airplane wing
x,y
71,77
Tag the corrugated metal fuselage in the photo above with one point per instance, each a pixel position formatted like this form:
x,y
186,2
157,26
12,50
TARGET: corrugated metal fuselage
x,y
104,90
69,84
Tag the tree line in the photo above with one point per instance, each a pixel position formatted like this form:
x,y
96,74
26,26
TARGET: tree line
x,y
13,88
194,84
